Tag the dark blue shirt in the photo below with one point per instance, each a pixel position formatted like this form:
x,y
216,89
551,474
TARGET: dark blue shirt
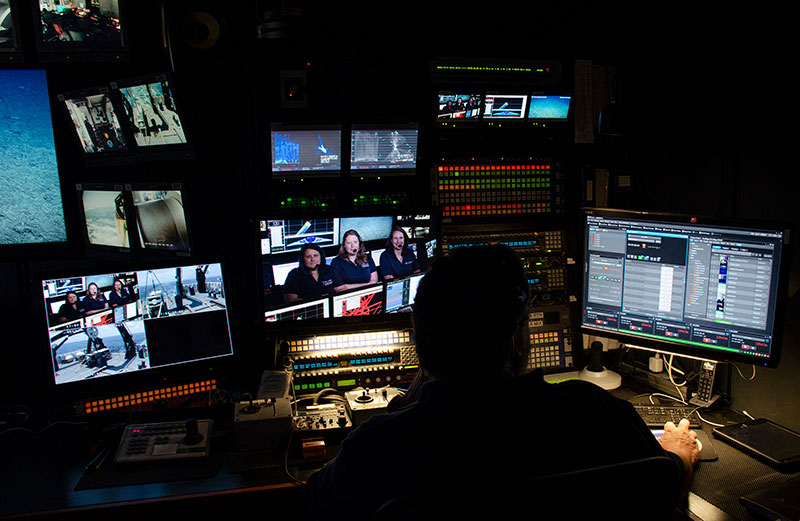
x,y
92,304
345,272
115,300
391,266
301,283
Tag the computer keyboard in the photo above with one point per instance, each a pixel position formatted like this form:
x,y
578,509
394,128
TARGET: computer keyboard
x,y
657,415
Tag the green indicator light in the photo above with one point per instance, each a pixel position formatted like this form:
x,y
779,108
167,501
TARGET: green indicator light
x,y
289,199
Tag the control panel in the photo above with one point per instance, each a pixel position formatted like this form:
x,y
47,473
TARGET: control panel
x,y
164,441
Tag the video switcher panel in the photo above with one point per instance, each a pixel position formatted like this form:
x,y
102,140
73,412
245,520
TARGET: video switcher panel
x,y
548,268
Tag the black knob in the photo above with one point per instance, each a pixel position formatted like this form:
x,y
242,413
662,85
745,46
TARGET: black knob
x,y
193,436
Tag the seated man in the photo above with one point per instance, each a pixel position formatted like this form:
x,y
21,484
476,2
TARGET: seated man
x,y
478,418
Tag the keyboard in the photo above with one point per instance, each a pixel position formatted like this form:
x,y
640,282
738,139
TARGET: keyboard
x,y
656,416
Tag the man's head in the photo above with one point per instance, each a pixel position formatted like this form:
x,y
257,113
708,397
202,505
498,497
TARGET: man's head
x,y
468,312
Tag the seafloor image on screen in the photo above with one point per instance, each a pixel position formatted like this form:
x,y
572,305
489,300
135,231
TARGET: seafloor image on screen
x,y
95,123
30,192
67,23
6,26
152,114
161,219
104,213
549,107
160,319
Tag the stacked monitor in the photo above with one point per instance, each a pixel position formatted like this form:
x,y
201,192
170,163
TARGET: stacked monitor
x,y
30,190
10,49
471,106
711,289
388,286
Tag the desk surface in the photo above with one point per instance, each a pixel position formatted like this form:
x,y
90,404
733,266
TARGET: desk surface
x,y
46,473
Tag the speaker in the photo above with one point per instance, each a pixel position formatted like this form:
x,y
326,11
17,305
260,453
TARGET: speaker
x,y
196,35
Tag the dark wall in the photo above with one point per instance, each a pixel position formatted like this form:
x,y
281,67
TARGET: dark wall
x,y
707,101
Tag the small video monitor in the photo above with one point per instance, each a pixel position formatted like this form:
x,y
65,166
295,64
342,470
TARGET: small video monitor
x,y
553,108
81,30
95,122
161,219
382,149
104,209
458,106
302,150
10,50
359,302
151,111
505,106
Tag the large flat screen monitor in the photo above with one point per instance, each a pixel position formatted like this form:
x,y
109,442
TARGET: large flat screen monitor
x,y
111,326
30,189
712,289
323,269
383,149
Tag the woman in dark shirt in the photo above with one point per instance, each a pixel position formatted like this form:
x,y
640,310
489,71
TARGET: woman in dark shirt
x,y
353,267
311,278
94,301
119,295
397,260
70,310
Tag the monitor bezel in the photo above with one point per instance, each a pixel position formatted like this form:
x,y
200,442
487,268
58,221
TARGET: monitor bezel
x,y
377,172
389,320
166,151
694,351
14,53
306,175
71,392
81,52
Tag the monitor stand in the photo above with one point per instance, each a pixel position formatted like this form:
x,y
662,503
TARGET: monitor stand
x,y
596,373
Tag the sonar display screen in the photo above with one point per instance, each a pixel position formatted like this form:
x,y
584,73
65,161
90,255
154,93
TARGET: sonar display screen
x,y
306,150
508,106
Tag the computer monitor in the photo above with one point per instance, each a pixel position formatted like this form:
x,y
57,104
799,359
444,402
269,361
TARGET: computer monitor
x,y
152,116
713,289
160,216
458,106
81,30
383,149
30,189
310,150
281,239
104,210
549,108
113,331
505,106
10,49
95,124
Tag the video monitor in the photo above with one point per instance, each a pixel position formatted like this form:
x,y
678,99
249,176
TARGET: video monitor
x,y
95,122
458,106
109,324
151,115
505,106
161,218
301,149
10,50
554,108
383,149
81,30
712,289
328,268
30,189
104,209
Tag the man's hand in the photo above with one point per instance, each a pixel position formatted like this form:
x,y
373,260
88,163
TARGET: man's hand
x,y
683,442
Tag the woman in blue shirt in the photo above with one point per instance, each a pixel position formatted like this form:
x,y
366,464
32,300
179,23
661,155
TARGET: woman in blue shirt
x,y
397,260
353,267
94,301
311,278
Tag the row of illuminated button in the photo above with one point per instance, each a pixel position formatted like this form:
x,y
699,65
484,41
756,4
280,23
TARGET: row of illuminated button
x,y
127,400
349,341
